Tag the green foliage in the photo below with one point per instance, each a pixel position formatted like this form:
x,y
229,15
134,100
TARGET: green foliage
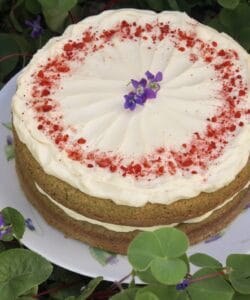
x,y
238,296
33,6
160,290
128,294
103,257
56,12
157,5
9,152
146,296
240,272
168,271
230,16
160,251
89,289
7,125
10,47
204,260
15,219
2,246
210,288
146,276
235,22
166,242
61,275
230,4
29,294
21,270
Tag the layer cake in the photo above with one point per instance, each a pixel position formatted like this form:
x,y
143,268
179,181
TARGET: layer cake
x,y
132,121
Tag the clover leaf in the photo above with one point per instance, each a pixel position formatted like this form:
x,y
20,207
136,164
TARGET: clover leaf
x,y
204,260
162,251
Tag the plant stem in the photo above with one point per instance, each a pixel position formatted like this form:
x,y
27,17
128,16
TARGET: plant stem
x,y
113,289
118,284
222,272
72,18
56,289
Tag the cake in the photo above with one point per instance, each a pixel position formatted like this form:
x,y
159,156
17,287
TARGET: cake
x,y
131,121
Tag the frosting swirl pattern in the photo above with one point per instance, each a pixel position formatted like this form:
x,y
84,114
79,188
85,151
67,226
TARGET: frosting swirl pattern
x,y
194,137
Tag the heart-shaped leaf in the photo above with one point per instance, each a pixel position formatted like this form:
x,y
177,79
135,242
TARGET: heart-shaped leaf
x,y
13,217
20,270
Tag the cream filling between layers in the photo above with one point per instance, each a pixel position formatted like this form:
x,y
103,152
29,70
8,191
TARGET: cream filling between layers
x,y
121,228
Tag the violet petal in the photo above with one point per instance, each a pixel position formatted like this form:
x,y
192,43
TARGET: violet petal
x,y
135,83
28,23
158,77
149,75
1,221
150,94
143,82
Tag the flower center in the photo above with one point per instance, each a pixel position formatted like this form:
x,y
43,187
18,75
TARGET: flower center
x,y
146,88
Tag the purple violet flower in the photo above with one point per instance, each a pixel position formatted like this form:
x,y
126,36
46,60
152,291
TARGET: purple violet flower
x,y
1,221
248,206
130,101
213,238
37,29
183,285
9,140
4,229
29,224
143,89
158,77
153,85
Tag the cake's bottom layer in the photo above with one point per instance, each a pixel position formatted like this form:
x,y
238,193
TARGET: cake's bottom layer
x,y
118,242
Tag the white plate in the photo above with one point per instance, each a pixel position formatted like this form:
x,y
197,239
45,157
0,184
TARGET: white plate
x,y
76,256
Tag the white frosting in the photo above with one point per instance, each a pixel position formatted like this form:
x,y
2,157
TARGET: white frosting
x,y
92,100
121,228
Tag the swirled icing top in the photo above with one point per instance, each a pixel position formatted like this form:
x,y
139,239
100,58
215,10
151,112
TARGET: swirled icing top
x,y
193,137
